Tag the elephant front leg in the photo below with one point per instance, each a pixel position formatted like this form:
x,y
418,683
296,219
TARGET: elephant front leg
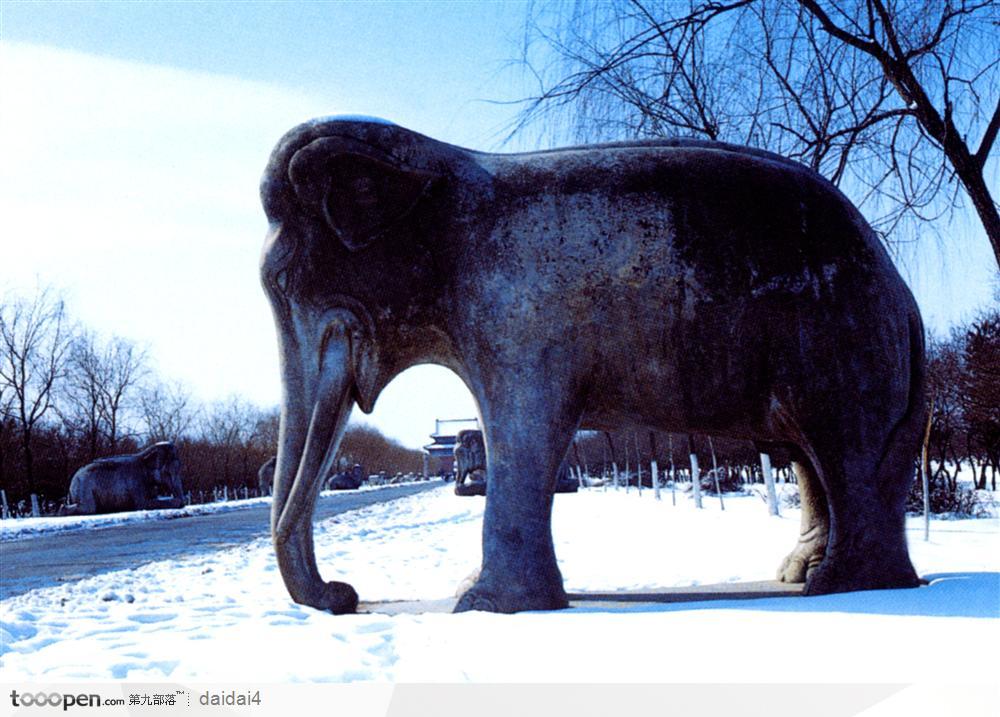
x,y
519,569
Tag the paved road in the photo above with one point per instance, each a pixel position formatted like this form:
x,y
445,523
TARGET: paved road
x,y
47,560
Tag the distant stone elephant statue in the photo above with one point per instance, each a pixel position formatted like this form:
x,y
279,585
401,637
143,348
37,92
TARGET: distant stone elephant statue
x,y
470,463
348,479
148,480
265,476
679,285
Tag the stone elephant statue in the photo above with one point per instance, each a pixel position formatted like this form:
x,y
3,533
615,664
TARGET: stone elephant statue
x,y
470,463
265,476
148,480
349,479
676,285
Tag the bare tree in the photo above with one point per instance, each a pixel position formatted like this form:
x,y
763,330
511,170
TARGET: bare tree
x,y
367,446
896,102
100,379
980,384
944,382
34,342
231,426
167,411
124,366
6,424
82,416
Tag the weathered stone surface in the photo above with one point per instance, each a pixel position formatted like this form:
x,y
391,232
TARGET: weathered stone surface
x,y
679,285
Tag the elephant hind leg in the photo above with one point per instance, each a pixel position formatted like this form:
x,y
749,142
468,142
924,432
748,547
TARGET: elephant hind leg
x,y
814,528
866,493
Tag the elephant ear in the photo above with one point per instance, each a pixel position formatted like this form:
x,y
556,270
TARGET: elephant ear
x,y
358,190
154,460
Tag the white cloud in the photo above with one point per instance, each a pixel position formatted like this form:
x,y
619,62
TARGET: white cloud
x,y
134,187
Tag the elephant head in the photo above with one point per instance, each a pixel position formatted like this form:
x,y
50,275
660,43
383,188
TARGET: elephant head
x,y
343,199
163,469
470,453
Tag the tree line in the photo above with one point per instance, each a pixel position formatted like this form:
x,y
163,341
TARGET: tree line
x,y
69,396
963,384
630,454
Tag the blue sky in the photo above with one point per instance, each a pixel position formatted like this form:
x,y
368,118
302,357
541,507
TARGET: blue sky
x,y
133,135
425,63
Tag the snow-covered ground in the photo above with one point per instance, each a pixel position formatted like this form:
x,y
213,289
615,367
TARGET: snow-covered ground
x,y
18,528
226,616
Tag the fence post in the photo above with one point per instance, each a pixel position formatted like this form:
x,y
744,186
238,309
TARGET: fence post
x,y
772,496
35,511
638,464
628,469
672,471
695,475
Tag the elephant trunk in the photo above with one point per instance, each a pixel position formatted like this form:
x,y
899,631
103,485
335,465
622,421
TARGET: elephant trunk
x,y
315,410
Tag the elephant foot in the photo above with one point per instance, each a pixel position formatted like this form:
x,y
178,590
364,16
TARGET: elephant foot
x,y
487,599
338,598
849,574
467,583
796,567
805,558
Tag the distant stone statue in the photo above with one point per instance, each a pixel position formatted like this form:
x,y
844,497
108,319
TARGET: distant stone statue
x,y
470,463
265,476
147,480
347,479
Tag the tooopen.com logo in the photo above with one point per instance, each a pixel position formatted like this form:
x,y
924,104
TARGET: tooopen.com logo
x,y
56,699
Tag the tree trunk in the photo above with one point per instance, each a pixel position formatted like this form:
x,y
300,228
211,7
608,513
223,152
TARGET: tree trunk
x,y
29,459
975,184
614,461
715,474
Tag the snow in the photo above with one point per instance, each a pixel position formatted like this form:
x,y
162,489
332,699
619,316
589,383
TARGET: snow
x,y
19,528
226,616
354,118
